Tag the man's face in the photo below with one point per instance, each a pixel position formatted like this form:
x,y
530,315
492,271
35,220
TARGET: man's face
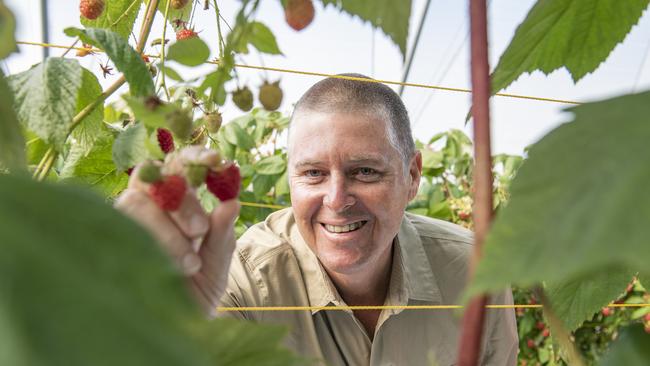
x,y
348,187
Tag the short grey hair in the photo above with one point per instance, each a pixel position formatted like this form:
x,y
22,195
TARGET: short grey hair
x,y
371,97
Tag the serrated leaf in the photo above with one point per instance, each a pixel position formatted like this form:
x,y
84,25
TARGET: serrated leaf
x,y
189,52
631,348
576,34
392,17
90,127
7,30
12,142
578,194
46,98
90,287
118,16
263,39
129,148
125,58
271,165
578,300
95,168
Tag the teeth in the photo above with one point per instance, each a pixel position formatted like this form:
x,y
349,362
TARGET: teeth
x,y
344,228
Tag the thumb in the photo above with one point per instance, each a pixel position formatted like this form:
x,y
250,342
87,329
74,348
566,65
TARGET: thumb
x,y
223,216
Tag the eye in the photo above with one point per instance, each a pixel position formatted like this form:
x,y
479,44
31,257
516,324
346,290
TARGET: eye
x,y
366,174
313,173
366,171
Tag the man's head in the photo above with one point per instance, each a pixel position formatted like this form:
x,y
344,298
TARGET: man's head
x,y
352,170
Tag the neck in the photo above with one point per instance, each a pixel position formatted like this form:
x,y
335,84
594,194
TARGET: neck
x,y
367,286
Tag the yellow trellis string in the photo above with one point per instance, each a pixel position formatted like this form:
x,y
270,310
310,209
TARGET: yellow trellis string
x,y
311,73
262,205
395,307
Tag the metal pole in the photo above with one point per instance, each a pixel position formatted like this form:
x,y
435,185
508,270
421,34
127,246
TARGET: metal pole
x,y
470,342
409,61
45,28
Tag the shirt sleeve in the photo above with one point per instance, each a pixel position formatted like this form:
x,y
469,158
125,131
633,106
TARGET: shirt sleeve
x,y
502,344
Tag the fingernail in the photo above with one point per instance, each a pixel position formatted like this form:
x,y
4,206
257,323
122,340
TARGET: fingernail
x,y
191,263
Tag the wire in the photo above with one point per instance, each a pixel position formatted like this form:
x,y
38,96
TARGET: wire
x,y
311,73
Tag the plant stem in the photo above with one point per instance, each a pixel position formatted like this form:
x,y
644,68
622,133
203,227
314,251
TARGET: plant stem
x,y
559,332
47,161
221,42
162,53
42,162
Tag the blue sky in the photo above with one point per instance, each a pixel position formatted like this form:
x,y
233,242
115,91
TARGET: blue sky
x,y
336,42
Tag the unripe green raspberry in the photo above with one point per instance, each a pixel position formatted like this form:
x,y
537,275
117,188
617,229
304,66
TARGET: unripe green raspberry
x,y
196,174
149,173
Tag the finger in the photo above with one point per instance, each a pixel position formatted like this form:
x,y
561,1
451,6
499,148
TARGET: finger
x,y
190,216
139,207
224,215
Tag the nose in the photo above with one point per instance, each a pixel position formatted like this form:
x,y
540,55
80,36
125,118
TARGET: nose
x,y
338,197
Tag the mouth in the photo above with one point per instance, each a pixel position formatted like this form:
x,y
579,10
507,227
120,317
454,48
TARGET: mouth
x,y
337,229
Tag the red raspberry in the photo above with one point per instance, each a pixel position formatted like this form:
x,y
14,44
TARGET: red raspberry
x,y
225,183
647,317
546,333
531,343
607,311
91,9
540,325
165,140
168,193
185,34
299,13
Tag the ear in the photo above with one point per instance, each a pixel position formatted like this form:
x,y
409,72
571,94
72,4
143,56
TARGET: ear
x,y
415,173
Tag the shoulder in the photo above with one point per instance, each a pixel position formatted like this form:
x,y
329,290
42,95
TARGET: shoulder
x,y
266,240
440,231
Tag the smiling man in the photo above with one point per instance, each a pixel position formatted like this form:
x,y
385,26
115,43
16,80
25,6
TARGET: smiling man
x,y
347,240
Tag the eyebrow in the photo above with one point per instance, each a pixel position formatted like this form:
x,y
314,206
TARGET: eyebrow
x,y
354,160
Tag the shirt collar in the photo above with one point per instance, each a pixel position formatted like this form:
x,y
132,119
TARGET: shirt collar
x,y
411,274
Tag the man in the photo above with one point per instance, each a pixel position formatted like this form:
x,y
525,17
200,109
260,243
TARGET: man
x,y
346,240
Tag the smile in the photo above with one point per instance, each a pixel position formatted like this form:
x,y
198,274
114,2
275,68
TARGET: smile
x,y
344,228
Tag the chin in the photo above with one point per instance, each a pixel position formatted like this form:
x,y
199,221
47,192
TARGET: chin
x,y
341,262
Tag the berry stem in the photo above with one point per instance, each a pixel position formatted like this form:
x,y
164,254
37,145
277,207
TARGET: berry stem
x,y
221,42
47,161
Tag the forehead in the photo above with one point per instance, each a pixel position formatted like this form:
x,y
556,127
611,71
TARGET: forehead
x,y
315,134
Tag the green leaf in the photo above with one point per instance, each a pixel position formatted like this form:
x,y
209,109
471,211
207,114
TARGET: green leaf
x,y
263,39
118,16
581,190
12,142
90,287
631,348
46,98
576,34
271,165
262,184
150,116
125,58
189,52
392,17
171,73
237,136
95,168
579,299
90,127
282,185
7,30
130,147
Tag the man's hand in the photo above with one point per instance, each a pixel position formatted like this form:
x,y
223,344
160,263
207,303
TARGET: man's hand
x,y
201,244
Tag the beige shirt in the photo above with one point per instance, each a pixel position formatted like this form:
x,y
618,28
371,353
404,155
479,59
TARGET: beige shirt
x,y
273,266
